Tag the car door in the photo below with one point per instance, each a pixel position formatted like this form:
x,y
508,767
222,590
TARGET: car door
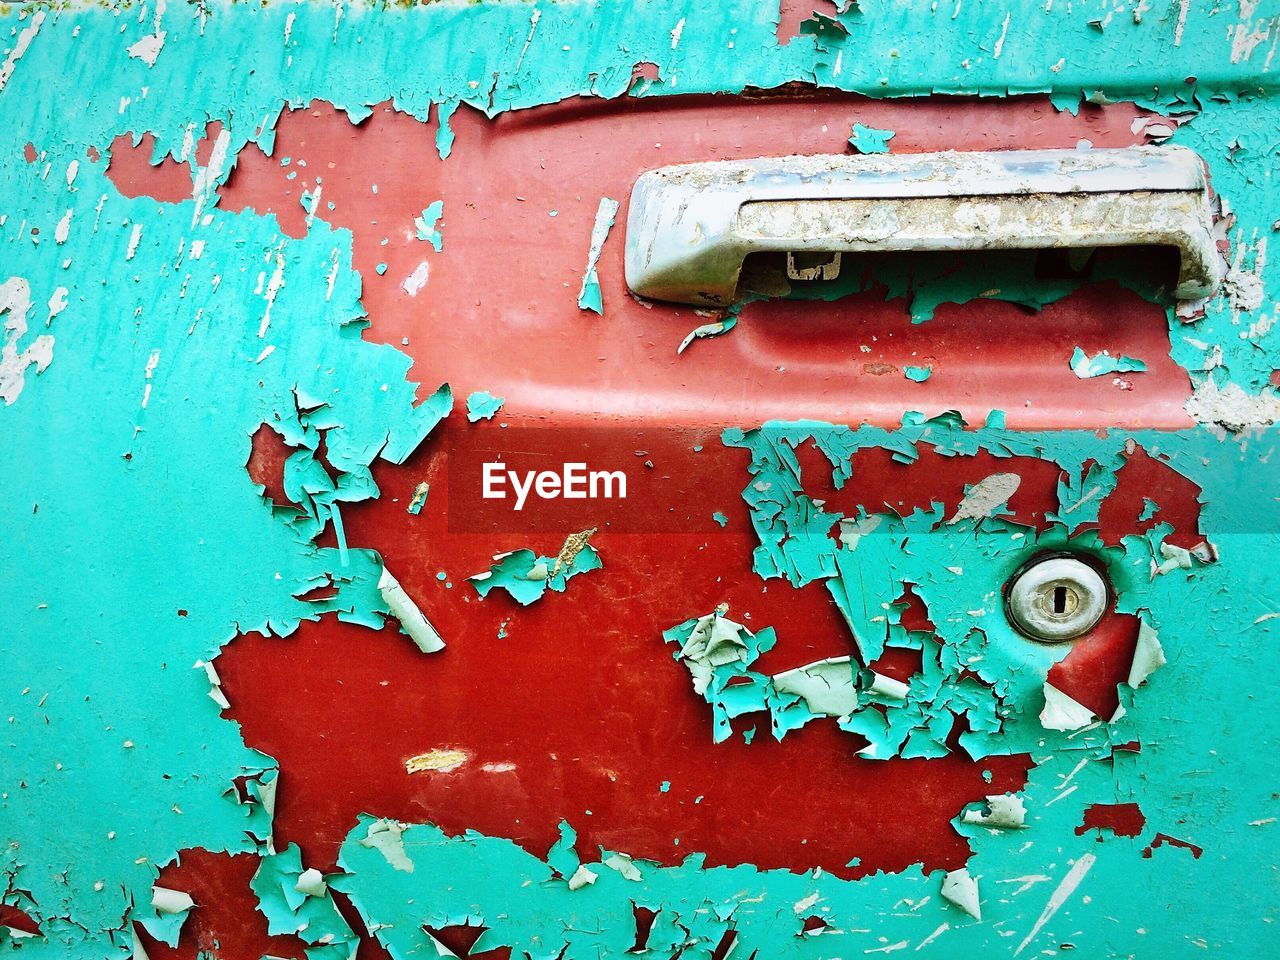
x,y
399,570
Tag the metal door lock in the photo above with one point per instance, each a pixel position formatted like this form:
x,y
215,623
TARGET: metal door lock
x,y
1057,599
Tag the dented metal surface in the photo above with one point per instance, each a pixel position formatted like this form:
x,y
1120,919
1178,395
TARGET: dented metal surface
x,y
689,228
249,712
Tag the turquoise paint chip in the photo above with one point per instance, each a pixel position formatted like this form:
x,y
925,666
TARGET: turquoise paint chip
x,y
917,374
870,140
482,405
426,224
1100,364
526,576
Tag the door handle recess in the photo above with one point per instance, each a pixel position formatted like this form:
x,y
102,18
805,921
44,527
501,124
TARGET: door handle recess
x,y
689,227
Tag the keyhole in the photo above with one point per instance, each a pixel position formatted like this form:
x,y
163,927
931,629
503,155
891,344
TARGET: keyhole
x,y
1055,599
1059,600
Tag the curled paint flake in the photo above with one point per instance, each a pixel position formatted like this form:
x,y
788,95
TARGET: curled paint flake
x,y
1148,655
589,296
625,866
311,883
718,651
386,836
1086,367
287,901
412,621
1004,812
961,889
169,911
713,329
827,687
215,684
1061,712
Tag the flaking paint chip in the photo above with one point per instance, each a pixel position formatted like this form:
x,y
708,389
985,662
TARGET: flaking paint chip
x,y
1063,713
961,889
437,761
987,496
1004,812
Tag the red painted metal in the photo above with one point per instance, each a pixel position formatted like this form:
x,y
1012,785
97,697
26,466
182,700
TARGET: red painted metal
x,y
499,311
578,712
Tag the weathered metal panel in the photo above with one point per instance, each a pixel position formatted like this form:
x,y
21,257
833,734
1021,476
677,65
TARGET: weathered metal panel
x,y
266,688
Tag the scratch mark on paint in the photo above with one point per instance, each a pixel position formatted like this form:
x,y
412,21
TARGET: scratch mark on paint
x,y
25,36
1059,896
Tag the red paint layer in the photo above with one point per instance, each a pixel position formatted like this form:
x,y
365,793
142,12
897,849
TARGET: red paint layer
x,y
509,271
18,919
225,921
267,455
134,175
1144,477
1097,662
580,712
1164,840
583,707
792,13
1122,819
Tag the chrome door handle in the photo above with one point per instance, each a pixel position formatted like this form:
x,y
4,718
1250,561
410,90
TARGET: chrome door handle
x,y
689,227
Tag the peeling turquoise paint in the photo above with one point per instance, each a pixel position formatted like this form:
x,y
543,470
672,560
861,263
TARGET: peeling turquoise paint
x,y
426,224
975,666
527,576
135,372
1085,367
483,405
869,139
296,903
589,297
